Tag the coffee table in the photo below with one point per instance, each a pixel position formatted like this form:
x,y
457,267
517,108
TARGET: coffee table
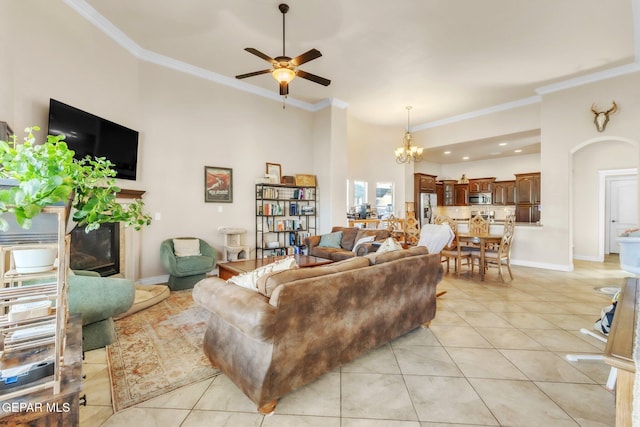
x,y
233,268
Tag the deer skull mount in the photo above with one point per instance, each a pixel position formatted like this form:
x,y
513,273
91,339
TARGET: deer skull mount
x,y
602,117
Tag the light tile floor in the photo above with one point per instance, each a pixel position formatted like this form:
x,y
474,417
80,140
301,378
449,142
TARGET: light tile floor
x,y
494,356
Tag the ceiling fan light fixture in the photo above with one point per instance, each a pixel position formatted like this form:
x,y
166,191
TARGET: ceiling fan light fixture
x,y
283,74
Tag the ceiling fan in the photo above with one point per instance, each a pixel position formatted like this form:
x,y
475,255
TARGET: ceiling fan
x,y
285,69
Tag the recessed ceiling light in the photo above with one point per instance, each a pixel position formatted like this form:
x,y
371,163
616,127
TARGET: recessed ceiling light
x,y
502,144
447,152
517,151
465,158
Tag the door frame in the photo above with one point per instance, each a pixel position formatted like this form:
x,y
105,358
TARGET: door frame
x,y
604,201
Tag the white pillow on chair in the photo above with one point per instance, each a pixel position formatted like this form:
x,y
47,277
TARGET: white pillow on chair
x,y
186,247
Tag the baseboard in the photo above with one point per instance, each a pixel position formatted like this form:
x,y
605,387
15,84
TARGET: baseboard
x,y
544,266
588,258
157,280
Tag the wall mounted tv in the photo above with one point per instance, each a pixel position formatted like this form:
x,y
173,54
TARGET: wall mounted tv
x,y
87,134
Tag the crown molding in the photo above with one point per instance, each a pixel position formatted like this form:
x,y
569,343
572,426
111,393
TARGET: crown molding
x,y
589,78
479,113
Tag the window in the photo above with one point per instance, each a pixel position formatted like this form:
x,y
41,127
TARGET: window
x,y
384,199
359,193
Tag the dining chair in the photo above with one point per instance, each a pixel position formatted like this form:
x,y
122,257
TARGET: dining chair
x,y
477,225
500,256
454,250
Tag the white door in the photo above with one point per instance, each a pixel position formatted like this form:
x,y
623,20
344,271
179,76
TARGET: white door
x,y
623,208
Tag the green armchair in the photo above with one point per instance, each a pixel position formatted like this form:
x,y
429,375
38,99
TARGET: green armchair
x,y
186,271
98,299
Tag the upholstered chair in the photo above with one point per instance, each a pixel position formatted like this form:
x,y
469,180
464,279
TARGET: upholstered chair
x,y
98,300
186,268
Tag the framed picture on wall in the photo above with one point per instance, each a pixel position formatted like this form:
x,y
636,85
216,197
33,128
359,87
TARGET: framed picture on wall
x,y
274,169
218,184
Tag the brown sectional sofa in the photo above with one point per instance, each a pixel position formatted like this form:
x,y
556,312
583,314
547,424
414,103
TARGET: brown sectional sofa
x,y
350,235
308,321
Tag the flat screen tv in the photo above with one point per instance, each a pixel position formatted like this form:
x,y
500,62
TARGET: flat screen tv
x,y
88,134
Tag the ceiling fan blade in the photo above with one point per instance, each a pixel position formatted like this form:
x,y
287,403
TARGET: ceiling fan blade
x,y
306,57
313,78
284,88
255,73
256,52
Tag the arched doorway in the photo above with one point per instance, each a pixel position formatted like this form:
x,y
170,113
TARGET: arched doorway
x,y
594,164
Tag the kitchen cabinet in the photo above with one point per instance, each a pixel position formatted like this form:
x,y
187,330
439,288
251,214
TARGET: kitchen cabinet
x,y
481,185
527,213
425,183
448,192
528,188
528,197
461,194
504,193
440,194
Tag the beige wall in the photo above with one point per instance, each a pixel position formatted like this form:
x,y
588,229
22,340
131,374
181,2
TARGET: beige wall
x,y
371,159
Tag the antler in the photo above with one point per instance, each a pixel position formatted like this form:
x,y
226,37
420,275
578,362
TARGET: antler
x,y
593,109
613,109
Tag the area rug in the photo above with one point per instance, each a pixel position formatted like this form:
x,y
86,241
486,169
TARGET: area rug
x,y
157,350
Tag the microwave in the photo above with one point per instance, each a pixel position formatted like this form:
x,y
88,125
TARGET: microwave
x,y
480,199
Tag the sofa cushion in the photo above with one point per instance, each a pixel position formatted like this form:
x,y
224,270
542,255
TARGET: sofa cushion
x,y
380,258
186,247
348,236
331,240
249,279
389,245
270,281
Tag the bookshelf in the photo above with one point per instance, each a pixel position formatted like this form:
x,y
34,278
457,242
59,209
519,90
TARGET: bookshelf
x,y
285,216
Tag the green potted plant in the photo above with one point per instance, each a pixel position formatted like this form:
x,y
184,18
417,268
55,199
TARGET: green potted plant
x,y
46,174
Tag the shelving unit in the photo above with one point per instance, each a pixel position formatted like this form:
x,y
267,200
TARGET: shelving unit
x,y
285,216
41,329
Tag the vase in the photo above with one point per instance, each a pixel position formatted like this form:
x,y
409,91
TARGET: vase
x,y
34,260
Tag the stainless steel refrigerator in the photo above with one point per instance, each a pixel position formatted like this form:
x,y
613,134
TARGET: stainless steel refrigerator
x,y
428,207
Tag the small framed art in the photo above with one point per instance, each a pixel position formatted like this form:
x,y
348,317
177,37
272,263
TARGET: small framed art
x,y
275,169
218,184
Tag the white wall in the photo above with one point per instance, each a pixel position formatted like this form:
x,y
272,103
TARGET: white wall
x,y
371,159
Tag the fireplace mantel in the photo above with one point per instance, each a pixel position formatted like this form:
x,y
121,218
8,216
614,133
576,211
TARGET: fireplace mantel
x,y
127,193
129,239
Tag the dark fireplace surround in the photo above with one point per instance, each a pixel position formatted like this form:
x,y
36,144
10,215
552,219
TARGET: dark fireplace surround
x,y
97,250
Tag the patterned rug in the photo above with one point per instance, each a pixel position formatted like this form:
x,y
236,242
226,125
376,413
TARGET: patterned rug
x,y
157,350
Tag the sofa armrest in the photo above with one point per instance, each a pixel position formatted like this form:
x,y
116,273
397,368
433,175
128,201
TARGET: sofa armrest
x,y
99,298
312,242
367,248
242,308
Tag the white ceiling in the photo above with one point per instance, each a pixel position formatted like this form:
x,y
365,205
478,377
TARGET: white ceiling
x,y
443,57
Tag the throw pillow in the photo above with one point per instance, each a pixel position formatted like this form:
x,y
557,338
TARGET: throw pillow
x,y
249,279
361,241
331,240
389,245
186,247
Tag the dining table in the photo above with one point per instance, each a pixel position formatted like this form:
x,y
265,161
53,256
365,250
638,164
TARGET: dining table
x,y
483,241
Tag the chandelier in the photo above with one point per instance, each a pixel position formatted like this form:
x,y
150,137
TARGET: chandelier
x,y
408,152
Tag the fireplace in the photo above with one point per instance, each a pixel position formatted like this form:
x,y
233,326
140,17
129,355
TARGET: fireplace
x,y
98,250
